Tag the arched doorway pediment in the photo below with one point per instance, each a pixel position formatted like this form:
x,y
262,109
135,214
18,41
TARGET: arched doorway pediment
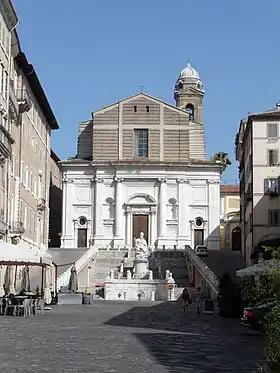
x,y
140,199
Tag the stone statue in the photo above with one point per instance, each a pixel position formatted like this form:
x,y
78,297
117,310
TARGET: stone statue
x,y
141,247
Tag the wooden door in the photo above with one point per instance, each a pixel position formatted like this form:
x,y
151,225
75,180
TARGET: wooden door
x,y
198,237
236,239
140,224
82,237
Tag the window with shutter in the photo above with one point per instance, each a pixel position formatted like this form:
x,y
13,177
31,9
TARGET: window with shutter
x,y
272,157
273,217
270,185
272,130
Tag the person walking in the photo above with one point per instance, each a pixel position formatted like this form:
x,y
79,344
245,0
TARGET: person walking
x,y
199,300
186,299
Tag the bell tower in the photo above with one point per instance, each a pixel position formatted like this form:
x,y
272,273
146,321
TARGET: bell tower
x,y
189,93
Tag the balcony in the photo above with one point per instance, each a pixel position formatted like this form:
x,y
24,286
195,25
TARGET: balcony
x,y
5,145
24,101
13,102
41,206
16,229
3,227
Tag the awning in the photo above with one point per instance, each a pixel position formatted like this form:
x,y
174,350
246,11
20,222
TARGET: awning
x,y
21,254
265,267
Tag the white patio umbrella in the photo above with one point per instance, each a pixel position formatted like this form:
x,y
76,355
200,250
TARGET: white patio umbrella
x,y
47,290
10,279
262,268
2,280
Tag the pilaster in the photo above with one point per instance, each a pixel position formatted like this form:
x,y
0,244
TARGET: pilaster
x,y
184,211
98,218
162,211
213,239
128,227
119,213
67,212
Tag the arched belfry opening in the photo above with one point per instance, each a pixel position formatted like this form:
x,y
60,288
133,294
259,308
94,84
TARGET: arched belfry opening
x,y
190,111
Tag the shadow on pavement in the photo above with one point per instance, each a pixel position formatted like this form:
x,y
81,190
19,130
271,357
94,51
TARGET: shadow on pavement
x,y
185,353
169,316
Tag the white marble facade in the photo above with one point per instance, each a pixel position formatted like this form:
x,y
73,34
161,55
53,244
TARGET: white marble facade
x,y
175,202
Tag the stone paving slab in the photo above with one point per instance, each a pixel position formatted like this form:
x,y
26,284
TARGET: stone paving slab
x,y
126,337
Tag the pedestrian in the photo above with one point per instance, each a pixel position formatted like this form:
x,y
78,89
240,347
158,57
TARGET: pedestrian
x,y
185,299
199,299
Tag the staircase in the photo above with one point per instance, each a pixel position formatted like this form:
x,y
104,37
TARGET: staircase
x,y
104,261
63,279
209,276
175,262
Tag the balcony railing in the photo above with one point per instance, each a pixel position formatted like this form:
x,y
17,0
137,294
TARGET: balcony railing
x,y
16,228
5,146
3,226
24,100
13,101
41,205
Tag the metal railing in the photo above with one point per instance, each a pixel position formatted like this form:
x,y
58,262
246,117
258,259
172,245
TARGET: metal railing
x,y
205,271
5,142
16,227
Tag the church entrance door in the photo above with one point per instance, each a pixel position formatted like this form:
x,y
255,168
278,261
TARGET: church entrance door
x,y
82,237
198,237
140,224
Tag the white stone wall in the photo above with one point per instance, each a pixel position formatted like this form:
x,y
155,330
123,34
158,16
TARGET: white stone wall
x,y
172,199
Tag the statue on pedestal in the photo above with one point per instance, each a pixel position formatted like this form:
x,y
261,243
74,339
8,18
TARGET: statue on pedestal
x,y
141,247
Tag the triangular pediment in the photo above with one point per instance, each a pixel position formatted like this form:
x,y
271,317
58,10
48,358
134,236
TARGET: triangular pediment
x,y
137,97
191,90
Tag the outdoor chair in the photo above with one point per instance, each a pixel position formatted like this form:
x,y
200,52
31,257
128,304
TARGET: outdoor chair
x,y
39,308
10,306
1,306
26,307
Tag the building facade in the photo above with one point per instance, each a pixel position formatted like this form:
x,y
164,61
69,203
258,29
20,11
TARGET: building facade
x,y
55,201
257,151
230,231
8,22
29,122
141,167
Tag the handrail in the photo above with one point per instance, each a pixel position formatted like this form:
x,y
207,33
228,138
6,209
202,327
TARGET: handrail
x,y
206,272
63,279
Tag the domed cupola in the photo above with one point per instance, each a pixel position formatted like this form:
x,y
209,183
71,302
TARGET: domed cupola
x,y
188,77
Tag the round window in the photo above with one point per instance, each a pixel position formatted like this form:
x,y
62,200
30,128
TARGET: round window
x,y
82,221
198,222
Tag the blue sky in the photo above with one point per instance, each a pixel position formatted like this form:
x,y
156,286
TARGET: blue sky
x,y
91,53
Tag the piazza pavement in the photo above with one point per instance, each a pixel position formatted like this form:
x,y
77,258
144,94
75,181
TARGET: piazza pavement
x,y
126,337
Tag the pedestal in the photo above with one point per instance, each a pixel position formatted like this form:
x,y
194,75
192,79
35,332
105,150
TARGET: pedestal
x,y
141,267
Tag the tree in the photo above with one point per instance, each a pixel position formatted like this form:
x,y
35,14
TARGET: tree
x,y
269,285
222,158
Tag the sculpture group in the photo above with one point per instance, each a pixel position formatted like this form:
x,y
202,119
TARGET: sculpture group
x,y
141,247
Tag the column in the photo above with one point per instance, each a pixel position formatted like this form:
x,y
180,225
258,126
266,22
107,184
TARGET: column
x,y
119,211
98,219
153,227
67,216
183,213
213,239
128,227
162,207
92,213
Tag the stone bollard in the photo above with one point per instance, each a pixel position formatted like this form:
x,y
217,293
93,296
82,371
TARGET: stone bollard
x,y
128,274
150,274
112,274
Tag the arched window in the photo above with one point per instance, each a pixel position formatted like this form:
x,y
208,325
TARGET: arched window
x,y
190,111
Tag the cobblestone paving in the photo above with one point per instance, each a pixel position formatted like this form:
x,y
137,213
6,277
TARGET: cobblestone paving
x,y
126,337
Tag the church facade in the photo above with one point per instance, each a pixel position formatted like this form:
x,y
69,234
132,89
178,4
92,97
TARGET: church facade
x,y
141,167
